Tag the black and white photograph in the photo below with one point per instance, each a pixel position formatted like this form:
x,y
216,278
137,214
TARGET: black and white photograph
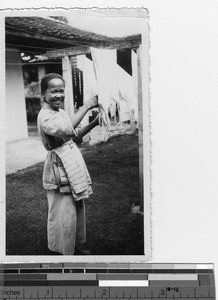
x,y
77,135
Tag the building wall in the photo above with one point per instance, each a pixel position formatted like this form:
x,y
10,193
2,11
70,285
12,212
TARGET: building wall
x,y
16,122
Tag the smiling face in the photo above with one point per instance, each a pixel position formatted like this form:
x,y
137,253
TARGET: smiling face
x,y
54,94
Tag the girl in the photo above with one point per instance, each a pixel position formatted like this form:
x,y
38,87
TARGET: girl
x,y
65,176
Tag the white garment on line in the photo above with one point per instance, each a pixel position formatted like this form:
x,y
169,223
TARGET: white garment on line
x,y
90,89
124,90
89,83
104,77
104,64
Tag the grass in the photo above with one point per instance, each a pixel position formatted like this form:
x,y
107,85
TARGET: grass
x,y
111,228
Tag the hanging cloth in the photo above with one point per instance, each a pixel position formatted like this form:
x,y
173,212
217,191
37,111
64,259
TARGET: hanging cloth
x,y
115,85
89,82
90,89
125,95
104,62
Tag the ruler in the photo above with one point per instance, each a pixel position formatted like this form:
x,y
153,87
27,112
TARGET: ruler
x,y
107,281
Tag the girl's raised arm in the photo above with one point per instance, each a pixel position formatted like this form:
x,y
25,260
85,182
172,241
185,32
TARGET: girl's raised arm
x,y
77,118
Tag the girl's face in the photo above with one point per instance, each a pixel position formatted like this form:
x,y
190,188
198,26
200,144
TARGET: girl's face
x,y
54,95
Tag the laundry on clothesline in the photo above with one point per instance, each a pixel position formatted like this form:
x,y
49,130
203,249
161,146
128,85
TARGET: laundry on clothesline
x,y
116,90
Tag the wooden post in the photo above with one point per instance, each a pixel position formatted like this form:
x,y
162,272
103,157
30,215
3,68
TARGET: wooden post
x,y
67,75
140,127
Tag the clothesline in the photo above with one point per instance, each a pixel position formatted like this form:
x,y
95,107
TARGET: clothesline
x,y
116,89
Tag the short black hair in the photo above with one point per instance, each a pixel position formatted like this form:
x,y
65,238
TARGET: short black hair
x,y
45,80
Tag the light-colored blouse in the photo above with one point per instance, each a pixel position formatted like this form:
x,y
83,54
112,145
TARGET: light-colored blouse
x,y
54,127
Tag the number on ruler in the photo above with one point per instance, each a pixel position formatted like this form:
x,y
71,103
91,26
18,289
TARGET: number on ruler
x,y
104,293
162,292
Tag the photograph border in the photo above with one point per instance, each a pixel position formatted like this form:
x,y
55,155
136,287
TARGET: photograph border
x,y
141,15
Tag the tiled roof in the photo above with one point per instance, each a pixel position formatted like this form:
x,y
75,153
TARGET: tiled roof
x,y
54,31
51,28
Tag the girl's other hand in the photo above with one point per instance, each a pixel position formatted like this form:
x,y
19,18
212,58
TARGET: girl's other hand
x,y
92,102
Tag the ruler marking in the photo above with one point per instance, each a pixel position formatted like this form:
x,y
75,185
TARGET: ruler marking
x,y
150,292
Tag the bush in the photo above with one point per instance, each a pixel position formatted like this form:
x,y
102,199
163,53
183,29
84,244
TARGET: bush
x,y
33,106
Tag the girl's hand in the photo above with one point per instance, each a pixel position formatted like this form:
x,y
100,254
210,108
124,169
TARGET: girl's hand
x,y
92,102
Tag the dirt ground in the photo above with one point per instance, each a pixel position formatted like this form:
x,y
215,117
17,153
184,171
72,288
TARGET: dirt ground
x,y
111,228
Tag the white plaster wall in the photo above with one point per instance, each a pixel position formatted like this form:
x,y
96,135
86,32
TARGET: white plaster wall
x,y
16,123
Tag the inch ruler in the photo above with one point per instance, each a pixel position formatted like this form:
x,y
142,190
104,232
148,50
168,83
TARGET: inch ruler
x,y
107,281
